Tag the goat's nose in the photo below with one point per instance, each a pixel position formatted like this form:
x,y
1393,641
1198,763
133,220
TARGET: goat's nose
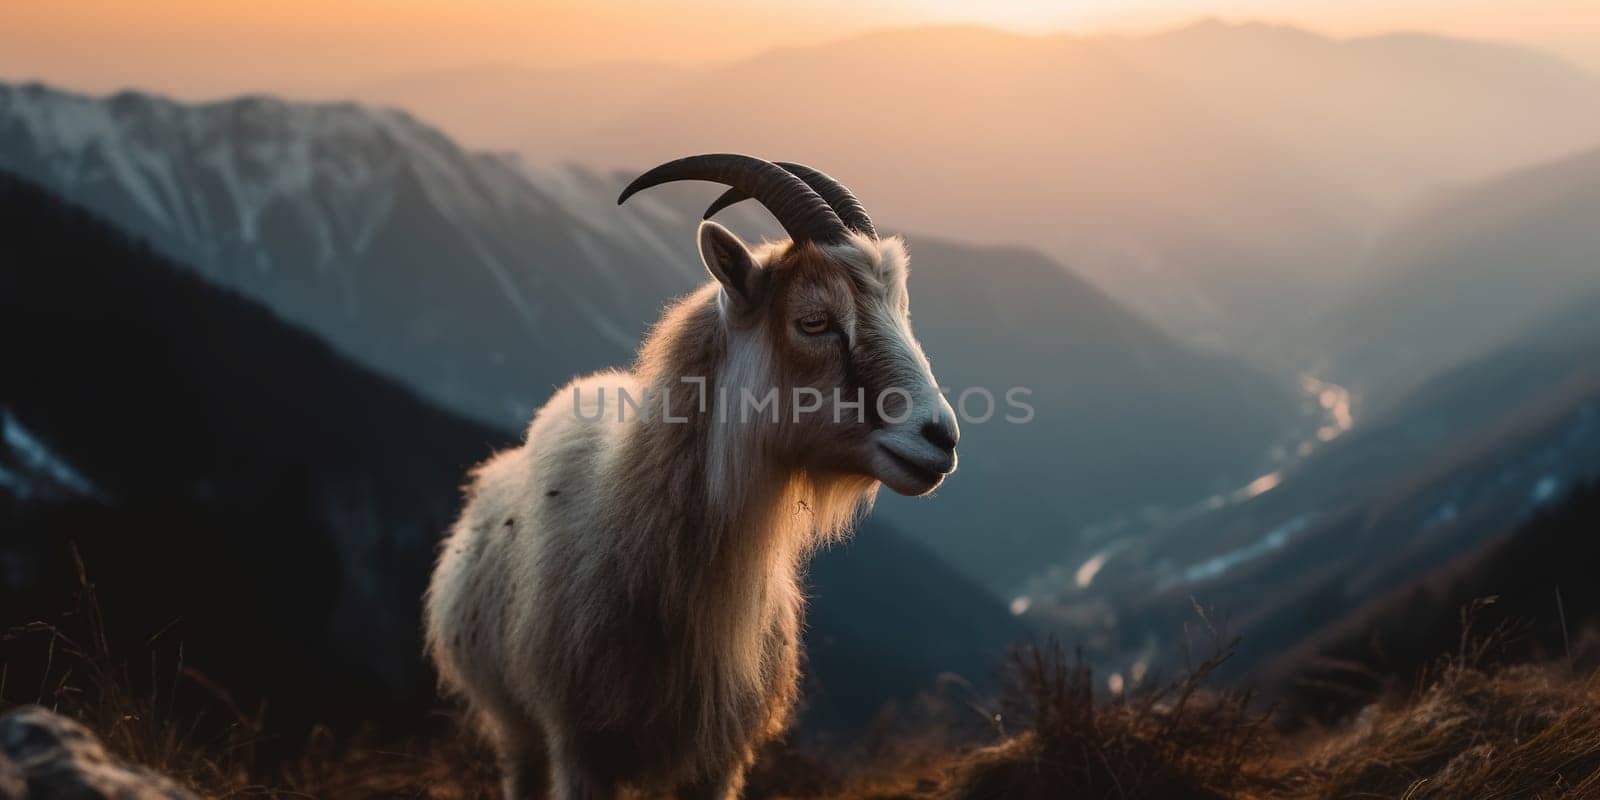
x,y
941,432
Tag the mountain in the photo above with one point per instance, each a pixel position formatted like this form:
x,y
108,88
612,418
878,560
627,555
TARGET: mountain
x,y
1468,273
1528,591
1000,138
1468,455
1124,418
219,471
236,486
368,227
1396,116
1220,179
484,283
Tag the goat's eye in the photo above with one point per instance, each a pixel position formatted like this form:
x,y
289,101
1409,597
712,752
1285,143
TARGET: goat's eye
x,y
814,325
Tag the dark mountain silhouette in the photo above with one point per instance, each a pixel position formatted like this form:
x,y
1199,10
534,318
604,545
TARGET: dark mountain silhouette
x,y
236,485
484,283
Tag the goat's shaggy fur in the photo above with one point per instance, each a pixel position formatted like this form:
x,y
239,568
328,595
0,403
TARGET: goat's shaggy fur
x,y
620,601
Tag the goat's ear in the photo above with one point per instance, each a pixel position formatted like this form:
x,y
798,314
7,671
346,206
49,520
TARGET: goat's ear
x,y
728,260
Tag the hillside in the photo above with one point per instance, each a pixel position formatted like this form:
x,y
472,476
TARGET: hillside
x,y
1469,729
237,488
483,284
1466,456
235,475
1530,588
1468,273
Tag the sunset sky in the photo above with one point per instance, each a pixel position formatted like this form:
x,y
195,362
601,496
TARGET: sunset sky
x,y
200,48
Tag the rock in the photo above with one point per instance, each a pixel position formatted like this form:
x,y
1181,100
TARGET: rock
x,y
45,756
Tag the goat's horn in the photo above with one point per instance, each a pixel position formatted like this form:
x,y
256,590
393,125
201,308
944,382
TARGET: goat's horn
x,y
802,212
839,197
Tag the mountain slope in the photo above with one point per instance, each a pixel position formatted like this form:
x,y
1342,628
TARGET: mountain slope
x,y
1123,419
1469,273
484,284
235,476
1394,115
1468,455
234,484
1535,580
368,227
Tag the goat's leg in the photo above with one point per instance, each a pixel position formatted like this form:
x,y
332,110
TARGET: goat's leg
x,y
725,785
521,754
525,767
571,779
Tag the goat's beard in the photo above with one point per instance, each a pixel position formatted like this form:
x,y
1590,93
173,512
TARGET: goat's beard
x,y
833,504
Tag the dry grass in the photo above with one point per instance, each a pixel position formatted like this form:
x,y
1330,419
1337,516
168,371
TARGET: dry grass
x,y
1176,740
1474,727
181,724
190,730
1056,739
1468,731
81,678
1527,732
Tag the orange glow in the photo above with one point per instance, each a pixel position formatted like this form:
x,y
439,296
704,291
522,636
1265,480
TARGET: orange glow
x,y
197,48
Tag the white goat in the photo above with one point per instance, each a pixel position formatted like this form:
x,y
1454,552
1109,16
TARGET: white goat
x,y
620,602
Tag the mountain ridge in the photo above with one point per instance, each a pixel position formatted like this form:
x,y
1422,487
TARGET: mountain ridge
x,y
1468,273
1216,178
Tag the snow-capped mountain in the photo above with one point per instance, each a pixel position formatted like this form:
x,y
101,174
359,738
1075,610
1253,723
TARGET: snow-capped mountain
x,y
372,229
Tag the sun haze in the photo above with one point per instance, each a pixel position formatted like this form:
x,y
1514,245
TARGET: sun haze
x,y
196,48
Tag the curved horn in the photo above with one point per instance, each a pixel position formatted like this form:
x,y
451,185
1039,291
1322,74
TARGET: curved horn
x,y
840,198
803,213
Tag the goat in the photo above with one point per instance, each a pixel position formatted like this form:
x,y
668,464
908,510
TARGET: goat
x,y
620,601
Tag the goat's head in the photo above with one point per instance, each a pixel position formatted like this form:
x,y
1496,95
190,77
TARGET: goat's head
x,y
824,318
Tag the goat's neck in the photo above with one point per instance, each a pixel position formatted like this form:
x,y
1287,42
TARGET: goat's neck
x,y
716,509
715,505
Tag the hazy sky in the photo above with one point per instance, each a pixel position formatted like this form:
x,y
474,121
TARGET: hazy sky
x,y
197,48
